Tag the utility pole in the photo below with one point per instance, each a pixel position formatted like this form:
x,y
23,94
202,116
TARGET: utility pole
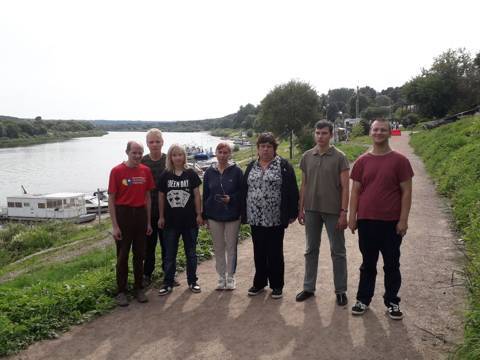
x,y
291,144
357,105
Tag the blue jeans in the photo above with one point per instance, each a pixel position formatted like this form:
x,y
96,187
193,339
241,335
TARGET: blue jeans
x,y
171,237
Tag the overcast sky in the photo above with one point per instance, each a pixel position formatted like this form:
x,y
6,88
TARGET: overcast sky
x,y
187,60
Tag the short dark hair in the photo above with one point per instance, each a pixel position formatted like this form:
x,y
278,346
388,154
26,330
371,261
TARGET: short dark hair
x,y
382,120
324,124
267,137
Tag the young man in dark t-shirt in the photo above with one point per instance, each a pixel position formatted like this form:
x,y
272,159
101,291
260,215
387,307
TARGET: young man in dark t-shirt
x,y
155,160
380,203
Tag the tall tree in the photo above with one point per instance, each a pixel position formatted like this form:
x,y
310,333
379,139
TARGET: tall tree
x,y
288,107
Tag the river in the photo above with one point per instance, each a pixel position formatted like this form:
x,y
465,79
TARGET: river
x,y
77,165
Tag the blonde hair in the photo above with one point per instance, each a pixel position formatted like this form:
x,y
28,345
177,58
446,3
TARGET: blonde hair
x,y
224,145
169,163
154,132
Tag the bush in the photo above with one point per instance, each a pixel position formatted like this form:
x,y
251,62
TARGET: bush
x,y
410,120
304,139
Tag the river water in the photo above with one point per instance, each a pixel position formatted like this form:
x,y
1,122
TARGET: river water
x,y
77,165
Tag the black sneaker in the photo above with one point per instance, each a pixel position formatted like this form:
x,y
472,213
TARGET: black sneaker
x,y
342,299
394,311
195,288
359,308
254,291
276,293
304,295
164,290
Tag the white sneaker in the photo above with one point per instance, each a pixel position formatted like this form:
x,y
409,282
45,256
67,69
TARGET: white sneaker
x,y
230,283
221,284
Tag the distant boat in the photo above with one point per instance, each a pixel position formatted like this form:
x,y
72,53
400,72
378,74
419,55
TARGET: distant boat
x,y
38,207
91,204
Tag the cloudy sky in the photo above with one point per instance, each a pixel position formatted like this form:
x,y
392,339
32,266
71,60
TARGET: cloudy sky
x,y
191,59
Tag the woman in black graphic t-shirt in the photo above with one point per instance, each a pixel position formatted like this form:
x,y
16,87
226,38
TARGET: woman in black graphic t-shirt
x,y
180,214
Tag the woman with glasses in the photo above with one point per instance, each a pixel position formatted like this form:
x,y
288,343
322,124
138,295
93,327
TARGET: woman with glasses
x,y
221,210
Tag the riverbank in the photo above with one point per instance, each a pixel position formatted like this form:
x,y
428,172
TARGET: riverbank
x,y
50,138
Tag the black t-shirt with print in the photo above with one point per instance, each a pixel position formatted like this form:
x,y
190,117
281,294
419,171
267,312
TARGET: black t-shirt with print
x,y
179,198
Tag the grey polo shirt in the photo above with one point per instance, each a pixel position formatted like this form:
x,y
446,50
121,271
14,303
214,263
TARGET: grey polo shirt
x,y
323,191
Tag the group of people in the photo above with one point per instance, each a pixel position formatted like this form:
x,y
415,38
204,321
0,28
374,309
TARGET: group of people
x,y
157,198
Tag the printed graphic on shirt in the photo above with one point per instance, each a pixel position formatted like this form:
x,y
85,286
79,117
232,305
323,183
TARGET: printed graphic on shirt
x,y
178,198
133,181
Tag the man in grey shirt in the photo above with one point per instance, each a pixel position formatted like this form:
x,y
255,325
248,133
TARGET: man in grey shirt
x,y
324,200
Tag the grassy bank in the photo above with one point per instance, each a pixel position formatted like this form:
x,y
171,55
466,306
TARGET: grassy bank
x,y
54,137
53,295
451,155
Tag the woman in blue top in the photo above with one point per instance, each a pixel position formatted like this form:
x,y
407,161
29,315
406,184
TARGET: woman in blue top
x,y
221,198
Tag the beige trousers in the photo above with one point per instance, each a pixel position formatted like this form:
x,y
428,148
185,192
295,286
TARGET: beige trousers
x,y
225,239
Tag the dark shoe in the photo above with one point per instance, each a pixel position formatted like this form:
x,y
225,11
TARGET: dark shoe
x,y
254,291
147,281
165,290
304,295
394,312
359,308
276,294
342,299
141,297
121,299
195,288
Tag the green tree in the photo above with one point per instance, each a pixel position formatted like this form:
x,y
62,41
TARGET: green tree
x,y
369,92
288,107
362,104
373,112
340,97
383,100
449,86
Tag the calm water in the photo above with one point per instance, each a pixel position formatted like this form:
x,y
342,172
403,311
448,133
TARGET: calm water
x,y
78,165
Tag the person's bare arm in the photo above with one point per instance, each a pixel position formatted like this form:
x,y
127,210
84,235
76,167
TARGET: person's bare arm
x,y
198,206
406,201
161,210
345,184
117,234
301,210
352,219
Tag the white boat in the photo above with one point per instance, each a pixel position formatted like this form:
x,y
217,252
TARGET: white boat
x,y
91,204
33,207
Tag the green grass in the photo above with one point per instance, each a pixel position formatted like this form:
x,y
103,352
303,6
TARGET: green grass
x,y
51,297
18,240
451,154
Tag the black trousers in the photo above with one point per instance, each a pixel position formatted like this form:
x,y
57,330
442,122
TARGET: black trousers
x,y
151,245
133,225
376,236
268,256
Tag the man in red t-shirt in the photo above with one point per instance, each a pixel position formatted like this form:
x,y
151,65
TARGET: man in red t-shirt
x,y
379,207
129,204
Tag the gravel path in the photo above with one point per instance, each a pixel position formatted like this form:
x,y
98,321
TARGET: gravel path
x,y
231,325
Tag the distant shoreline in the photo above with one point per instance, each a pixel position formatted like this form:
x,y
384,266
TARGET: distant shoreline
x,y
36,140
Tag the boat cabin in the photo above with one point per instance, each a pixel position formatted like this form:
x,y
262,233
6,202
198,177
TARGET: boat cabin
x,y
46,206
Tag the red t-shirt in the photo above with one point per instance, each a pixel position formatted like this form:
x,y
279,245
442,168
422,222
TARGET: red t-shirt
x,y
380,177
130,184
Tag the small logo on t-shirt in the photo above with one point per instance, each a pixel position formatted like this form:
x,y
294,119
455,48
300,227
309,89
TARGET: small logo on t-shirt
x,y
133,181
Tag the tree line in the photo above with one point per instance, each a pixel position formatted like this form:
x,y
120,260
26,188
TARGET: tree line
x,y
15,128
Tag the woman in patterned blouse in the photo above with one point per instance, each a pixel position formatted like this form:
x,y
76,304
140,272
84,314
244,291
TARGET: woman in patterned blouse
x,y
270,203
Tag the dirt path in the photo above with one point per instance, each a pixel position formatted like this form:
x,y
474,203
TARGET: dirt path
x,y
230,325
